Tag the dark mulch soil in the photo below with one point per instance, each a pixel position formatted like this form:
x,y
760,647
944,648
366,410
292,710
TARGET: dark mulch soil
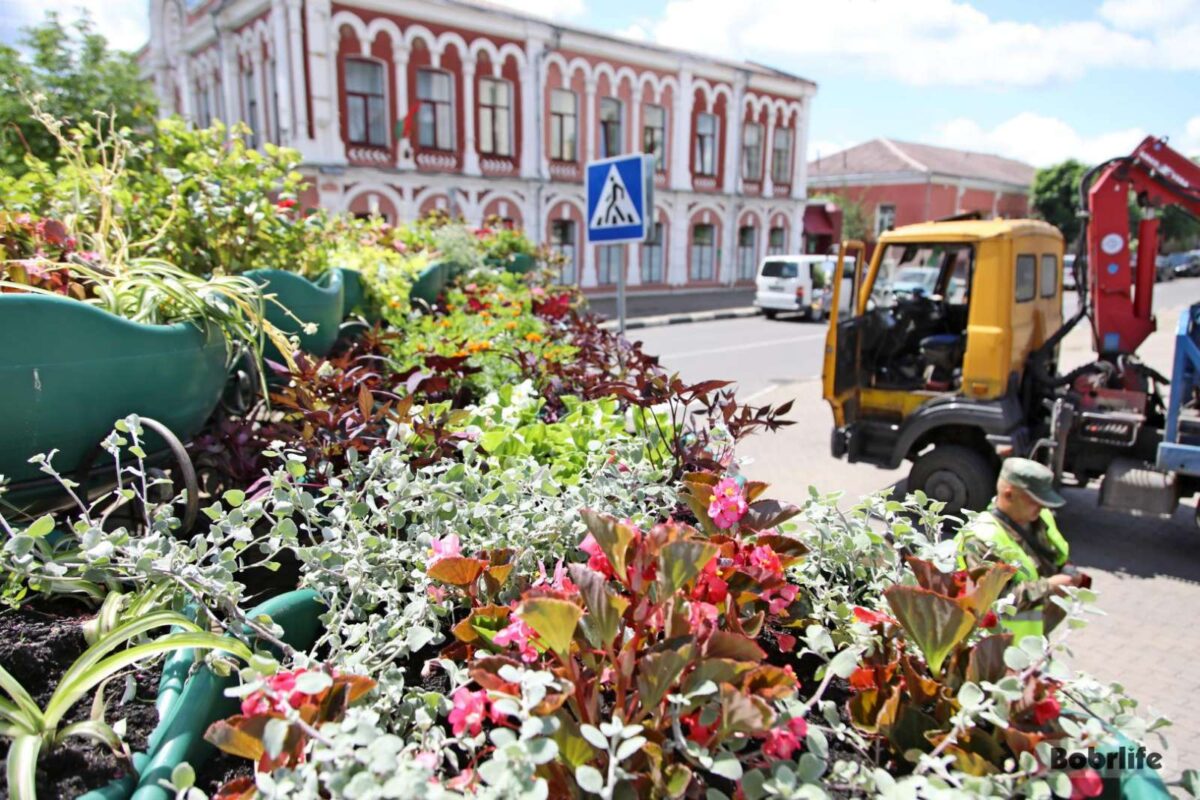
x,y
220,769
37,645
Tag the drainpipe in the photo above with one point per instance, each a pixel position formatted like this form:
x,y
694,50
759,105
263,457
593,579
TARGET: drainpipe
x,y
539,109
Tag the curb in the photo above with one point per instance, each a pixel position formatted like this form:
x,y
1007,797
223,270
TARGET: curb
x,y
683,319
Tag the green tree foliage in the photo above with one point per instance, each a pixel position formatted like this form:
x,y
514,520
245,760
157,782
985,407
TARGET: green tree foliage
x,y
75,71
1055,196
854,215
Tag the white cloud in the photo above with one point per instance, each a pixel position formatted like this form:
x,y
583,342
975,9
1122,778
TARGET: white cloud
x,y
125,23
1038,140
930,42
635,32
561,10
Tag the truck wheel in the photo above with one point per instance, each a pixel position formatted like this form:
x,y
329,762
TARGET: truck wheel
x,y
958,476
770,313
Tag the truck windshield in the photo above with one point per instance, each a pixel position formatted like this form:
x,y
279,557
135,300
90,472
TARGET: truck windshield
x,y
906,270
780,269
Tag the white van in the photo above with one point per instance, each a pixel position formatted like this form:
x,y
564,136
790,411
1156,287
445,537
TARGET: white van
x,y
796,284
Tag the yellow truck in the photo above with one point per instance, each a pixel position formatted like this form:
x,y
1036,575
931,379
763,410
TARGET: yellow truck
x,y
929,363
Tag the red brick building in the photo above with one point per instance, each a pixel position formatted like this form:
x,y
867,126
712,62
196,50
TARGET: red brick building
x,y
899,183
402,106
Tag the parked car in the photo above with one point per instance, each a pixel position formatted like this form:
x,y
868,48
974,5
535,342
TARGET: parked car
x,y
1163,271
796,284
1186,264
1068,276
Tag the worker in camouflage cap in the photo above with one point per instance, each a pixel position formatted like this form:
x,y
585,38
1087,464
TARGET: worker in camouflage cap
x,y
1018,528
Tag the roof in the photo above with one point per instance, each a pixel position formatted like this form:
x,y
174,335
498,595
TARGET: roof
x,y
880,158
971,230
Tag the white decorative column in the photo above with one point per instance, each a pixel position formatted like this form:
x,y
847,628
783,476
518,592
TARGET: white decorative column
x,y
681,134
260,108
800,153
187,101
533,97
285,125
470,151
404,148
633,270
589,264
231,73
295,70
735,113
591,119
677,272
326,105
635,120
768,184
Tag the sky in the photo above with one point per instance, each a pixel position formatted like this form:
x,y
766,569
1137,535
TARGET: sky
x,y
1036,80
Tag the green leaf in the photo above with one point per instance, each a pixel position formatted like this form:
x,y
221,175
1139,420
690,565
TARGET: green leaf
x,y
40,527
936,623
183,776
679,777
727,766
553,619
275,736
680,561
605,609
235,497
614,538
658,672
593,736
313,682
844,663
22,767
589,779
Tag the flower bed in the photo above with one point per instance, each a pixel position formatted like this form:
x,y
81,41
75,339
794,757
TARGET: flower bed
x,y
543,574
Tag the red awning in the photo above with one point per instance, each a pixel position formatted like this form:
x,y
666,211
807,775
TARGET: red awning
x,y
817,221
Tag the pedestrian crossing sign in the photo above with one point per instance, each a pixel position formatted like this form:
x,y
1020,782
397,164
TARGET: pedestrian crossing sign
x,y
619,191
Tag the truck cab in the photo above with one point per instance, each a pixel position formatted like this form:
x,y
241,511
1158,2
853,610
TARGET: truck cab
x,y
925,361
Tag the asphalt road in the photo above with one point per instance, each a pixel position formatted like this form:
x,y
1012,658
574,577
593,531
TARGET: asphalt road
x,y
1145,570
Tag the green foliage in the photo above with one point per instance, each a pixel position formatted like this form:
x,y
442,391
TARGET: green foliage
x,y
77,73
855,219
1055,196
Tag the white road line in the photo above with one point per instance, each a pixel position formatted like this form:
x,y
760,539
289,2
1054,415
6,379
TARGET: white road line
x,y
734,347
772,387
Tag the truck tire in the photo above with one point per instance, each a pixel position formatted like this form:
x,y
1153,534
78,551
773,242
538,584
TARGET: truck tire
x,y
770,313
961,477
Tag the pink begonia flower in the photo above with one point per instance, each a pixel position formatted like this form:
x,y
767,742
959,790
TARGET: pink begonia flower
x,y
427,759
446,547
469,711
519,634
1086,783
561,582
765,558
869,617
781,743
280,694
596,559
779,599
726,505
702,616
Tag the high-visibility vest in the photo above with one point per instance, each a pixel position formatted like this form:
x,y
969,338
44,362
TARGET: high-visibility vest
x,y
988,529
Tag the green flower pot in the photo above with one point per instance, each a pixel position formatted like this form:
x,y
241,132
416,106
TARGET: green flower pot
x,y
520,263
189,702
430,283
354,294
320,302
71,370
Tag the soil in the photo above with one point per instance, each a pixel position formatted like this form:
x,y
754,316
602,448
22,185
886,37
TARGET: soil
x,y
38,643
220,769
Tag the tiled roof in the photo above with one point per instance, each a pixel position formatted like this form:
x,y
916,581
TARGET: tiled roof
x,y
880,157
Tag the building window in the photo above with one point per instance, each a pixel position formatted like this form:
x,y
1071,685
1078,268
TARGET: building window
x,y
654,135
435,116
706,144
366,106
495,117
1026,278
203,109
885,219
563,127
781,156
562,243
1049,276
652,255
610,127
251,111
746,252
776,242
752,152
703,252
610,263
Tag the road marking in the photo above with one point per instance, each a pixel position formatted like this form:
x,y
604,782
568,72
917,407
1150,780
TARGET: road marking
x,y
734,347
770,388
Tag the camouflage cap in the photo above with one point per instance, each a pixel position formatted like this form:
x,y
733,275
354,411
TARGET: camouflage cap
x,y
1036,479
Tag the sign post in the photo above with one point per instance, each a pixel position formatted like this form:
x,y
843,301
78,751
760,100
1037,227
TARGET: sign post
x,y
620,207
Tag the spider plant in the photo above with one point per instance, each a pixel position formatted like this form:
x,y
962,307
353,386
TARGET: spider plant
x,y
31,728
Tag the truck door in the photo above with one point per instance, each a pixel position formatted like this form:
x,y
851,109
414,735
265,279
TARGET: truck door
x,y
840,375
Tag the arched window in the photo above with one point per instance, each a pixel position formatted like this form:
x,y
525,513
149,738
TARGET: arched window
x,y
495,117
435,119
366,103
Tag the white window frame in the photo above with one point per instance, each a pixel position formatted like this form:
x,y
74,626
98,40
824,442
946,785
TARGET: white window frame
x,y
382,67
752,170
452,102
716,145
508,111
556,118
885,218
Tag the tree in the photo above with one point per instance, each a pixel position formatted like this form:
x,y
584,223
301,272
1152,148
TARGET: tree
x,y
854,216
1055,196
76,73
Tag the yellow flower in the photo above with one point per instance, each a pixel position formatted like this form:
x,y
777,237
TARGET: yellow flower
x,y
533,337
420,347
510,326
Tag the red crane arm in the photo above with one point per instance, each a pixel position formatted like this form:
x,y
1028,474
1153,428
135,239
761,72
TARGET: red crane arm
x,y
1159,176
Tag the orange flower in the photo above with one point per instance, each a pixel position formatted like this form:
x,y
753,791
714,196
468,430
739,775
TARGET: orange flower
x,y
420,347
533,337
510,326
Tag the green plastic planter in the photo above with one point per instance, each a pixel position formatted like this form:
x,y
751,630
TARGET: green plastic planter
x,y
188,705
70,370
354,295
430,283
320,302
520,263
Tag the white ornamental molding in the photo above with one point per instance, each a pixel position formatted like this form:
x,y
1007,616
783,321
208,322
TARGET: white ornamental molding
x,y
704,182
436,161
371,155
783,189
560,170
497,166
